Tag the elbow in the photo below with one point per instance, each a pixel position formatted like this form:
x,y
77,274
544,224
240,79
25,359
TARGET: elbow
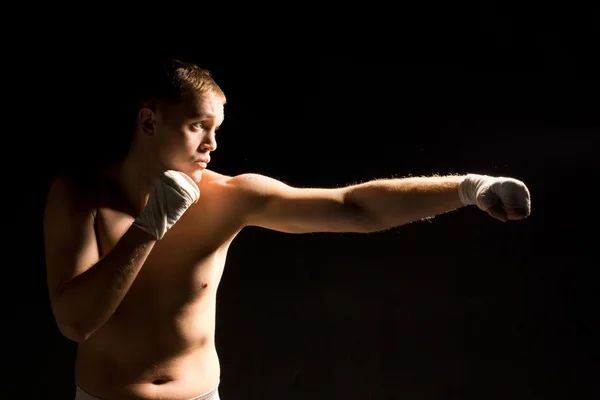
x,y
364,220
368,220
369,224
70,328
73,333
70,321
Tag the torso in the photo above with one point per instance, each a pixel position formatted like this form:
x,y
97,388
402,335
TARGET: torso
x,y
160,342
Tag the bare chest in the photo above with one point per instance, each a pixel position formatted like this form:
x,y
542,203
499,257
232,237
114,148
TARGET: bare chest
x,y
183,267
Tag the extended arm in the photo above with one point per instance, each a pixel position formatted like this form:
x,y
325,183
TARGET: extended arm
x,y
367,207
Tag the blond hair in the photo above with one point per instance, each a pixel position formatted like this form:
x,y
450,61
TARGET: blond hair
x,y
176,79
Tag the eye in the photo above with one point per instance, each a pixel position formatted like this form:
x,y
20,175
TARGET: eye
x,y
198,125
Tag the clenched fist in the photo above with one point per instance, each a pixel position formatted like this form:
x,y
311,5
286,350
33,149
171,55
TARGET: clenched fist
x,y
502,198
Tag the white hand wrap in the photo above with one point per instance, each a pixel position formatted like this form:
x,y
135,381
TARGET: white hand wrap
x,y
488,191
170,197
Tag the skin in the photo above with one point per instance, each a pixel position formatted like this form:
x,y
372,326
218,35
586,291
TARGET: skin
x,y
142,310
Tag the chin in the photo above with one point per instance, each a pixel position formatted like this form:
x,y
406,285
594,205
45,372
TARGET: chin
x,y
196,175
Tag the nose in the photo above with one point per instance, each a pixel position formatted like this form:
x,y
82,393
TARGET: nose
x,y
209,143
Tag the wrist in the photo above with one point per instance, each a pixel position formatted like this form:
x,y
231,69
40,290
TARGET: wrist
x,y
468,187
151,225
142,233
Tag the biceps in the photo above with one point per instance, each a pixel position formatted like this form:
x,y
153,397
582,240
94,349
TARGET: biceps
x,y
309,210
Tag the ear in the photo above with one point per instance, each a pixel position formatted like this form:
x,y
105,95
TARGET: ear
x,y
146,118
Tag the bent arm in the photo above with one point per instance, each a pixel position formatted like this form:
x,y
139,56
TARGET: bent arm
x,y
84,290
367,207
87,301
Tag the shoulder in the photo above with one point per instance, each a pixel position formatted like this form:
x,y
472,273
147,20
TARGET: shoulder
x,y
68,189
244,197
245,193
77,192
248,184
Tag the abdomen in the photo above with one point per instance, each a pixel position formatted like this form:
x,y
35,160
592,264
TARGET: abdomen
x,y
144,352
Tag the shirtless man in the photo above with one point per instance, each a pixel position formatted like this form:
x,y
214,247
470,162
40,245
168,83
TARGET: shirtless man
x,y
135,250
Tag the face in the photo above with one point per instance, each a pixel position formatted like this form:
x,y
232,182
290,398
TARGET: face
x,y
182,136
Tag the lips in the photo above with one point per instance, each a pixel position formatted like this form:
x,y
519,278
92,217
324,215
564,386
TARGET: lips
x,y
203,162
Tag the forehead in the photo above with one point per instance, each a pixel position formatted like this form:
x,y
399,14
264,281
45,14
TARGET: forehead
x,y
200,106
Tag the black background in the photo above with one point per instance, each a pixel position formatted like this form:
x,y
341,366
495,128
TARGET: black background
x,y
460,307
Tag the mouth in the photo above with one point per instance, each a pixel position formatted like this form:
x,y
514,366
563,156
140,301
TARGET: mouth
x,y
203,162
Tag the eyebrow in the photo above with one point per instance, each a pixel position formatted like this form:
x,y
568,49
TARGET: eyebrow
x,y
203,116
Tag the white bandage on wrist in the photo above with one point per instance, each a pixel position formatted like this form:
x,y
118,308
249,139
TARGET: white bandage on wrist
x,y
470,187
170,197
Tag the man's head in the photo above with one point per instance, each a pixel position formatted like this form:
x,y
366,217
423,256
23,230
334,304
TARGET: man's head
x,y
179,110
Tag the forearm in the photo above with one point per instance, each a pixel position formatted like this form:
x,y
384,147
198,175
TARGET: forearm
x,y
90,299
388,203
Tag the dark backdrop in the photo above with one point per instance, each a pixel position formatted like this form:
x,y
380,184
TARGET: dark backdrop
x,y
460,307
